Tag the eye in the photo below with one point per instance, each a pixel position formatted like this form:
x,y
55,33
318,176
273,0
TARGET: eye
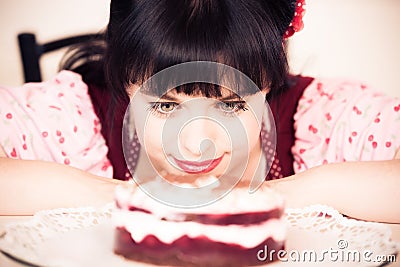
x,y
232,107
163,108
166,107
227,106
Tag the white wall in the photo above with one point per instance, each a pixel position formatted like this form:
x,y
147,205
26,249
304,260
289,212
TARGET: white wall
x,y
48,19
348,38
351,38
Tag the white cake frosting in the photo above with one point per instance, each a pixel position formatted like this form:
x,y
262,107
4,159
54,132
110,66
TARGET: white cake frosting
x,y
140,223
239,200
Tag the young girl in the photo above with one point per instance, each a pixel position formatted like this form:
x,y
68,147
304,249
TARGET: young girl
x,y
339,137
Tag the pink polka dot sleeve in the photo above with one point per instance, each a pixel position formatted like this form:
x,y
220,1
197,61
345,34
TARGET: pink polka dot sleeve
x,y
338,121
53,121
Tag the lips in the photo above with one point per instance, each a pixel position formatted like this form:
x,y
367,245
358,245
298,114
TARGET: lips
x,y
197,167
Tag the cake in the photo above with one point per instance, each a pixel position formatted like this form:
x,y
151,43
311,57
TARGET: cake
x,y
231,231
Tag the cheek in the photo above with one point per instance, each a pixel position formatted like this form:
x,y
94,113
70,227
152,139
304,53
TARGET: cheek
x,y
253,129
244,135
152,136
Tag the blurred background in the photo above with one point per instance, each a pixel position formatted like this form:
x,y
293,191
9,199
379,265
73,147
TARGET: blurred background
x,y
355,39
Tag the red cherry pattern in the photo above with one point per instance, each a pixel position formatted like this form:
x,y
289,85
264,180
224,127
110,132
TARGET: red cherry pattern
x,y
312,129
330,129
40,128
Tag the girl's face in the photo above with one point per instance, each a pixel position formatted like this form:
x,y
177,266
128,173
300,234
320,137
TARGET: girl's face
x,y
186,137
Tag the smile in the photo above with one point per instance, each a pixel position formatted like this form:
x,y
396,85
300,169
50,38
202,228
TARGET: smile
x,y
197,167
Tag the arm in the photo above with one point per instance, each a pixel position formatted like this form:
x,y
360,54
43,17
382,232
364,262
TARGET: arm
x,y
28,186
363,190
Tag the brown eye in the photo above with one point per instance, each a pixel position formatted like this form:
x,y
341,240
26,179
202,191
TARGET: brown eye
x,y
167,107
163,109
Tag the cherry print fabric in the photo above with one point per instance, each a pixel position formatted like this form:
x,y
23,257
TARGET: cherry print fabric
x,y
338,121
53,121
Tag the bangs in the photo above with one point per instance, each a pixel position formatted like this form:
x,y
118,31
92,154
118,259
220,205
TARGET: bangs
x,y
160,34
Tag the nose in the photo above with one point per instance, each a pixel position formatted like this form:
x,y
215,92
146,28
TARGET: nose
x,y
198,139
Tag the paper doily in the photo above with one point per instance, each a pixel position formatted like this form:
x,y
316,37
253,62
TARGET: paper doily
x,y
359,235
23,240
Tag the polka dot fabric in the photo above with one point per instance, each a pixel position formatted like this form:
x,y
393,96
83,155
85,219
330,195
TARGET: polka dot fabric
x,y
338,121
274,169
131,155
53,121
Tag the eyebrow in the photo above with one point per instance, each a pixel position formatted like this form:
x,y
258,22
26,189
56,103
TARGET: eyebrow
x,y
228,97
169,97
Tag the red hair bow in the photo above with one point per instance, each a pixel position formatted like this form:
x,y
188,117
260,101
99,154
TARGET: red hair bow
x,y
297,23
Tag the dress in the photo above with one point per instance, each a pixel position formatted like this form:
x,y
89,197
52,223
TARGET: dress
x,y
53,121
342,120
318,121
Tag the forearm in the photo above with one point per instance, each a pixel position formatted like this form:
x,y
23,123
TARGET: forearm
x,y
364,190
29,186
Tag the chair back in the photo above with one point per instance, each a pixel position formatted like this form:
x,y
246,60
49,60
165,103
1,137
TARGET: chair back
x,y
31,52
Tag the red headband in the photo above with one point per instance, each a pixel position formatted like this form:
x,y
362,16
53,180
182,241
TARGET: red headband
x,y
297,23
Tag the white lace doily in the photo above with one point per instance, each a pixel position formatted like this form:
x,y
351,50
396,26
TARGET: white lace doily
x,y
317,227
